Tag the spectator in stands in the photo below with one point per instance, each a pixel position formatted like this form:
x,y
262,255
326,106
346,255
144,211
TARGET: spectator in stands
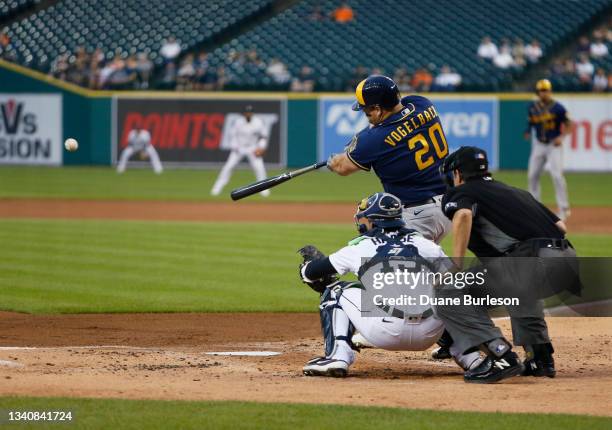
x,y
170,49
59,67
402,79
533,51
447,80
168,79
304,82
557,69
598,48
359,74
584,45
422,80
316,14
518,53
503,59
144,68
585,69
222,78
6,48
277,70
487,49
600,81
186,73
123,76
201,67
343,13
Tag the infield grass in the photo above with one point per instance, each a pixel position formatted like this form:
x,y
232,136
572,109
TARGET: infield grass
x,y
59,266
157,414
585,189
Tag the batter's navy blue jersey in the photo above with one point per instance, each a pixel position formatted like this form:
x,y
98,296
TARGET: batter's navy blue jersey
x,y
405,151
547,119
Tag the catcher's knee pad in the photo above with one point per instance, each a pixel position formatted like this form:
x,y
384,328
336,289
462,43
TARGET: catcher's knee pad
x,y
335,324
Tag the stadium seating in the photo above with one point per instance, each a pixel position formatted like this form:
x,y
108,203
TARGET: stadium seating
x,y
9,8
124,26
403,33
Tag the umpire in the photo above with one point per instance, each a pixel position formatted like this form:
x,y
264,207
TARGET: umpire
x,y
513,236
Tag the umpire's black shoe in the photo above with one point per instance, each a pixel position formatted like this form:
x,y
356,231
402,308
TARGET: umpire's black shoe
x,y
540,362
494,369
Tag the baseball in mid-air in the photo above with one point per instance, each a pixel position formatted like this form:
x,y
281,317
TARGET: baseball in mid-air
x,y
71,144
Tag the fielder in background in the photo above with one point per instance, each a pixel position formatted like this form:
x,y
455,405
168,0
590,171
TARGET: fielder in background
x,y
383,234
550,121
139,141
248,138
405,145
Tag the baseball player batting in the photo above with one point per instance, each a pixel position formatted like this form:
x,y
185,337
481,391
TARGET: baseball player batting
x,y
383,233
405,145
550,121
248,138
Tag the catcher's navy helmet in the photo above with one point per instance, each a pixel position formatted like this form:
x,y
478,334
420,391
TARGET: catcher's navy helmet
x,y
376,90
382,210
469,160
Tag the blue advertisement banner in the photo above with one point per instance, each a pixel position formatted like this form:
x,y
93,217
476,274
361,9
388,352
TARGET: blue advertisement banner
x,y
466,122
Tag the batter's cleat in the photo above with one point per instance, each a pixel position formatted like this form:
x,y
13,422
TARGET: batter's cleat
x,y
265,193
321,366
442,353
493,369
540,362
360,342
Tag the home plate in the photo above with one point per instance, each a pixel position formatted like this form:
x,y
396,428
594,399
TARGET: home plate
x,y
246,353
10,363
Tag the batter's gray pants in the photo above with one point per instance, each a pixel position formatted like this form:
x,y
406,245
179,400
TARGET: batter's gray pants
x,y
540,154
529,279
428,220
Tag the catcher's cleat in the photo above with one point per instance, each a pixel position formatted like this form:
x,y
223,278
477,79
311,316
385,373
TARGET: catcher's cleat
x,y
321,366
441,353
540,362
493,369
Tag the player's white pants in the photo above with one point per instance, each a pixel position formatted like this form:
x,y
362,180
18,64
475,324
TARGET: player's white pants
x,y
234,158
540,154
428,219
151,152
395,334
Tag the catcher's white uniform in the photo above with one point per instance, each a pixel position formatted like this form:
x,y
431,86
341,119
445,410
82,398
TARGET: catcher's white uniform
x,y
246,138
410,333
138,141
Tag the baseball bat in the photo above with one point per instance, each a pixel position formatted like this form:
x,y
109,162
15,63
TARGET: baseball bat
x,y
255,187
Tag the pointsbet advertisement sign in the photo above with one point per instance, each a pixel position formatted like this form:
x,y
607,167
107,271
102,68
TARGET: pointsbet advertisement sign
x,y
197,131
466,121
31,129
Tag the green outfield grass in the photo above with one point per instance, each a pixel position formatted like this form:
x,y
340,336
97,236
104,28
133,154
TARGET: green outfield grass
x,y
57,266
139,414
181,184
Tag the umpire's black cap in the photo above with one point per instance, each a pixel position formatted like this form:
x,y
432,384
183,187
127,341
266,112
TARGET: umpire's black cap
x,y
469,160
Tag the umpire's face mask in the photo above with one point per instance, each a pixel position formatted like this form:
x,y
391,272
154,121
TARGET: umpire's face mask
x,y
447,176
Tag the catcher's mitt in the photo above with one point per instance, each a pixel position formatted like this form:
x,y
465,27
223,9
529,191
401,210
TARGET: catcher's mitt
x,y
308,254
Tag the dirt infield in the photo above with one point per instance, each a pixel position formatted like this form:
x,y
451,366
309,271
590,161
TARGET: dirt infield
x,y
583,219
162,356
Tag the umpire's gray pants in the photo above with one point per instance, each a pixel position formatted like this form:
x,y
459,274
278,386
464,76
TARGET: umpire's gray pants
x,y
527,278
540,154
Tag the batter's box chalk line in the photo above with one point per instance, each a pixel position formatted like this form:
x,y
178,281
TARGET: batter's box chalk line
x,y
246,353
7,363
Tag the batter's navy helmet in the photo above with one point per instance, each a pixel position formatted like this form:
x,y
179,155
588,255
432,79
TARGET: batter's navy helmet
x,y
382,210
376,90
469,160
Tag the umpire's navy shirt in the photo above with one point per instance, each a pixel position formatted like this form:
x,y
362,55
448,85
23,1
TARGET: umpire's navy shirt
x,y
405,151
503,216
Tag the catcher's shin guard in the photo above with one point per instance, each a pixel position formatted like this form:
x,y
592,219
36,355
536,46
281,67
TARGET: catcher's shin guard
x,y
336,327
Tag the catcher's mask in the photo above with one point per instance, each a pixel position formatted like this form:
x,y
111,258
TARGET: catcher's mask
x,y
383,210
470,161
